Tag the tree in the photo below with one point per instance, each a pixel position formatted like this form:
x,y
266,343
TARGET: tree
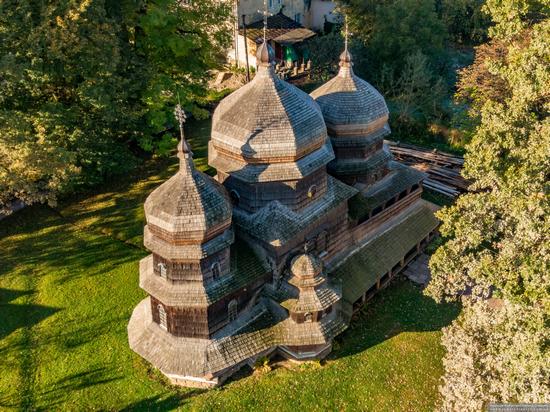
x,y
66,94
85,85
498,235
504,341
403,55
181,44
466,23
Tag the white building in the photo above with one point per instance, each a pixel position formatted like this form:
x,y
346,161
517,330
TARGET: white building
x,y
310,15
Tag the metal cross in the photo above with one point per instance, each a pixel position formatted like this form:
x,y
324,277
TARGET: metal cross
x,y
346,32
265,13
181,117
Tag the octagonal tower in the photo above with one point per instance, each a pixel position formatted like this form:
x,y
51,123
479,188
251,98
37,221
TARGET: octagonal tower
x,y
356,116
269,142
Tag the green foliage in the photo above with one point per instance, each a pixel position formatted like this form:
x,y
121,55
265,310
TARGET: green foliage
x,y
180,46
83,84
402,28
497,352
66,87
465,21
498,236
262,365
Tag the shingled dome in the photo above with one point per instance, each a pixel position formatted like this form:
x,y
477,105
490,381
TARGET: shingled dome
x,y
306,265
347,100
190,204
268,122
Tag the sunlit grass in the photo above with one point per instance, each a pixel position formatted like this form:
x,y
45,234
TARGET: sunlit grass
x,y
69,282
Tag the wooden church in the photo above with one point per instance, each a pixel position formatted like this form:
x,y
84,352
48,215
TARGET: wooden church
x,y
307,217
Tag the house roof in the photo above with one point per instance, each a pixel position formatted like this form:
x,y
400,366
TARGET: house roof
x,y
280,28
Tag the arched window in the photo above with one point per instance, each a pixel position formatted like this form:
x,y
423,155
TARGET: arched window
x,y
215,270
312,191
232,310
308,317
162,317
162,269
235,197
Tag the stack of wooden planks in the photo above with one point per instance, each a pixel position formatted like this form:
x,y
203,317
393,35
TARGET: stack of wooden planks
x,y
443,169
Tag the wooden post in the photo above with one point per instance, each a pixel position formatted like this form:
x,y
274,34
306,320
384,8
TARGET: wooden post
x,y
246,49
236,32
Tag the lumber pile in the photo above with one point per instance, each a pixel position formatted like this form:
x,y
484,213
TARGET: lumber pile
x,y
443,169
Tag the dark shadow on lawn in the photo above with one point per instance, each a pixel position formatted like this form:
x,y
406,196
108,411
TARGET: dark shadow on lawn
x,y
15,316
162,403
51,244
56,393
402,307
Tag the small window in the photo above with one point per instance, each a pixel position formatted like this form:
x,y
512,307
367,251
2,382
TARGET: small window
x,y
298,18
162,317
235,198
216,271
322,241
308,317
232,310
312,191
270,4
162,269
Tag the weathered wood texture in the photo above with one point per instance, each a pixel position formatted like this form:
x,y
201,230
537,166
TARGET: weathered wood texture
x,y
442,168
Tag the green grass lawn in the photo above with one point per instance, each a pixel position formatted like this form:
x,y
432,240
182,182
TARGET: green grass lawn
x,y
69,282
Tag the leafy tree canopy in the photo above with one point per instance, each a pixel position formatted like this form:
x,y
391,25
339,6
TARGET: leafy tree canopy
x,y
85,83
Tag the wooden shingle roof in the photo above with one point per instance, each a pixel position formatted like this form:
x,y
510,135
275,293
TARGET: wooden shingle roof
x,y
268,130
190,204
362,269
349,100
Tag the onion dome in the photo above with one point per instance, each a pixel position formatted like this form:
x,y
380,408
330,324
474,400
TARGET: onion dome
x,y
349,102
190,206
306,266
268,130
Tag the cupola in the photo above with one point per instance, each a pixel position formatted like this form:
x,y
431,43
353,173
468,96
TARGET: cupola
x,y
268,130
349,103
191,207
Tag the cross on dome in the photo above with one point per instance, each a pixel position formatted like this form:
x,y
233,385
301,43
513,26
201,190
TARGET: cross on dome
x,y
184,152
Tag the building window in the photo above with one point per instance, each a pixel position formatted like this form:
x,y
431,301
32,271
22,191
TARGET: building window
x,y
298,18
322,241
235,198
162,317
162,270
216,271
232,310
308,317
270,4
312,191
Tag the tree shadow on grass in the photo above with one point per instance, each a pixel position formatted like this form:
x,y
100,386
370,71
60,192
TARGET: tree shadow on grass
x,y
15,316
402,307
162,403
49,244
55,394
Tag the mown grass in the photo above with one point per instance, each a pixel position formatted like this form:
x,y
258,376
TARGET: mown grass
x,y
69,282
